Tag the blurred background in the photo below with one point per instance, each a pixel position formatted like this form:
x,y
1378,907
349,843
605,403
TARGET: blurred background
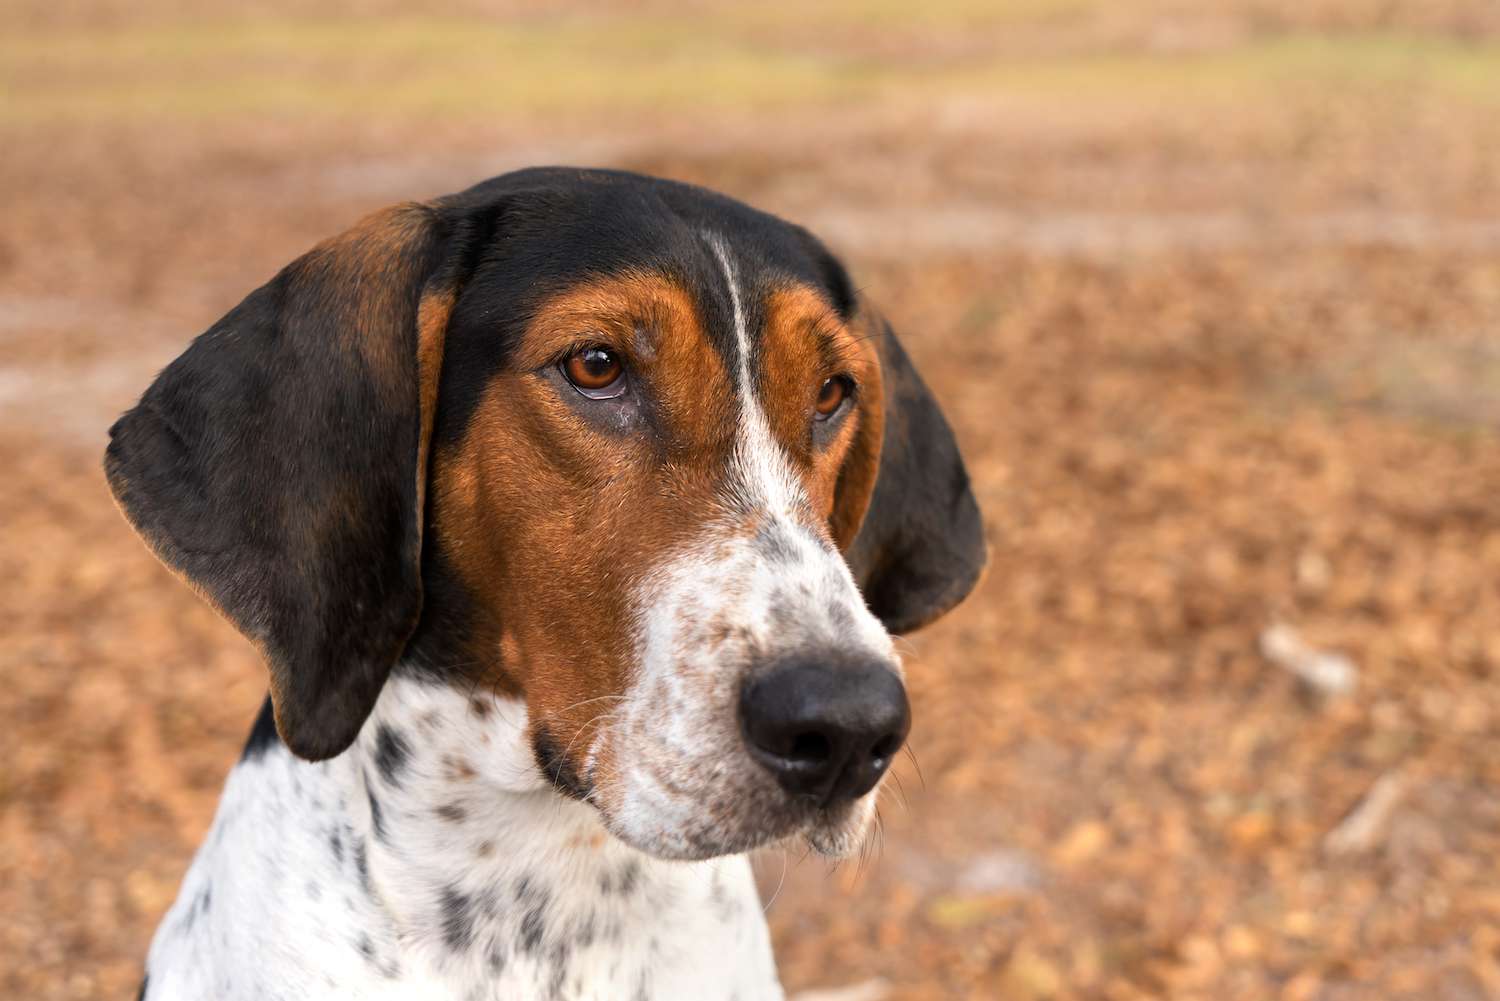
x,y
1210,291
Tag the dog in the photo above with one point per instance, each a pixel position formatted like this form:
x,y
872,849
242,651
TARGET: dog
x,y
573,515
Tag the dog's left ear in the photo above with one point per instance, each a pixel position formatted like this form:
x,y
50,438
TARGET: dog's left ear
x,y
279,465
904,513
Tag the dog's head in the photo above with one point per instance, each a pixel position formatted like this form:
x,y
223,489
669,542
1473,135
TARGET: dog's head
x,y
622,447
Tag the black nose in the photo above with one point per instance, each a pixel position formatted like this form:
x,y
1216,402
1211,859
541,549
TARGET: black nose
x,y
826,730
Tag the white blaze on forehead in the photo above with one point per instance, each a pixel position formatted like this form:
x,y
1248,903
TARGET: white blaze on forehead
x,y
741,335
765,475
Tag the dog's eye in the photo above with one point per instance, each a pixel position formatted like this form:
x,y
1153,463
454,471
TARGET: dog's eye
x,y
832,396
595,372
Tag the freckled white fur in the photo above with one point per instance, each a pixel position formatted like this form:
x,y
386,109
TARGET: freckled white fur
x,y
288,916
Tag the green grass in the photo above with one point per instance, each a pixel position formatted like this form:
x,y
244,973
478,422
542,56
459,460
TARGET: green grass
x,y
468,68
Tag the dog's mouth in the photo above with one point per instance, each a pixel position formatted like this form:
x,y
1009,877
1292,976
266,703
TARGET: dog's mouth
x,y
842,831
704,809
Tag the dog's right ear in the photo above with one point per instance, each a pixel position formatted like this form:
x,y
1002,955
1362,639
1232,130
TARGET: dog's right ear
x,y
279,465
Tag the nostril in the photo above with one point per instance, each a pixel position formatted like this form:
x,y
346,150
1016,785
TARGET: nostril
x,y
810,748
885,748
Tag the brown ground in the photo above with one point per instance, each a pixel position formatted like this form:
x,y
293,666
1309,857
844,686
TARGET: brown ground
x,y
1212,294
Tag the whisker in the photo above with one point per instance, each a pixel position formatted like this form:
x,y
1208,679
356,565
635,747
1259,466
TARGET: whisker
x,y
563,757
779,884
915,764
601,698
864,856
900,791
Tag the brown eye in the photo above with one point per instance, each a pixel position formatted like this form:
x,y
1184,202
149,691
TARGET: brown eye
x,y
595,372
832,396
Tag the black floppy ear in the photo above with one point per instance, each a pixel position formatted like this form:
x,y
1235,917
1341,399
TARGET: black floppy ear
x,y
279,465
920,548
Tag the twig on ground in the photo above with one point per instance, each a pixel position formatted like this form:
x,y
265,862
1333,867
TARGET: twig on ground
x,y
1330,674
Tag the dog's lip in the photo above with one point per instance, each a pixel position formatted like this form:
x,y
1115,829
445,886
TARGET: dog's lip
x,y
786,819
834,834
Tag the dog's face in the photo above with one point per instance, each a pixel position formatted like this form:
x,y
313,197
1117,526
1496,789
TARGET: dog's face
x,y
624,448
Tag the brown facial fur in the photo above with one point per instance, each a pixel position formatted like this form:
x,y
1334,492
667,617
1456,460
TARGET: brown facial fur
x,y
805,343
860,466
552,521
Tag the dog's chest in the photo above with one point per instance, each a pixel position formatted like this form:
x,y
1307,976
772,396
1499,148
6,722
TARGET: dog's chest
x,y
370,876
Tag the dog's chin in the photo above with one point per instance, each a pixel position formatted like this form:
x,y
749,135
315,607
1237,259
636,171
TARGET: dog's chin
x,y
839,833
696,843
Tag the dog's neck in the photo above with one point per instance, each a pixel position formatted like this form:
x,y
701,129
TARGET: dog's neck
x,y
434,857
